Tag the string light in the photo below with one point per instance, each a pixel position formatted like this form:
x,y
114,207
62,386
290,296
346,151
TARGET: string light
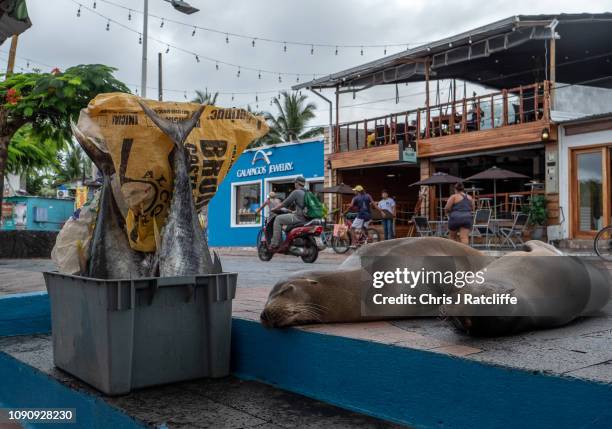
x,y
385,51
297,79
238,73
185,95
280,79
197,58
253,43
217,66
193,32
139,39
161,24
226,38
256,97
130,15
167,48
284,46
94,5
79,12
108,25
311,49
232,97
336,53
259,74
361,51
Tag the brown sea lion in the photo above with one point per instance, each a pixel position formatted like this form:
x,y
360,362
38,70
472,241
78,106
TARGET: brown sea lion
x,y
550,289
326,297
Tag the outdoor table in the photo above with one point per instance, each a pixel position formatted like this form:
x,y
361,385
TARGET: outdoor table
x,y
440,227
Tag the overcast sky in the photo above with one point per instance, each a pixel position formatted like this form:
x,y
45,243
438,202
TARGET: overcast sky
x,y
59,38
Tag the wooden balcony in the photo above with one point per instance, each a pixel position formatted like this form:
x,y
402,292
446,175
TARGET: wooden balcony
x,y
506,118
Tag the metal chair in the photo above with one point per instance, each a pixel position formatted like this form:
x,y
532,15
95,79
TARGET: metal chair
x,y
485,203
422,226
509,235
482,226
516,203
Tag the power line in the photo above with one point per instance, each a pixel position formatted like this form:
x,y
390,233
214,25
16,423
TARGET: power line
x,y
284,43
197,56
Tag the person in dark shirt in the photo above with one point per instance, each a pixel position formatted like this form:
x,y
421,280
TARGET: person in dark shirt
x,y
362,202
459,209
295,198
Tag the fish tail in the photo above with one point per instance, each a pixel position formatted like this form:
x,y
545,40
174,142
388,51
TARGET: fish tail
x,y
217,267
101,159
177,132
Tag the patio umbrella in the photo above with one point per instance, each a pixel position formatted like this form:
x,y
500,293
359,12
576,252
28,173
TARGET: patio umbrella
x,y
339,189
438,179
494,173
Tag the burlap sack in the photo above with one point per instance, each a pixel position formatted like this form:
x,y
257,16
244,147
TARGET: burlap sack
x,y
140,153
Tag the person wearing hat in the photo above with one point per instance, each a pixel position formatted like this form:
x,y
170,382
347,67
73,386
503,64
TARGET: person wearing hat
x,y
362,202
295,199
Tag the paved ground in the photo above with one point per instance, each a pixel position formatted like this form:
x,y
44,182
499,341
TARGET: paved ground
x,y
221,403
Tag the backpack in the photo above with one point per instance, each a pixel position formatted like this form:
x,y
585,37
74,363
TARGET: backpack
x,y
313,207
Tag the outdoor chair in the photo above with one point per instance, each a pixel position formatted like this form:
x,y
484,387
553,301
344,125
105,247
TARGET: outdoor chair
x,y
482,227
422,226
514,234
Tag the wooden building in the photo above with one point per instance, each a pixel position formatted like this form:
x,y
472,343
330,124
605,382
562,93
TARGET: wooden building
x,y
537,71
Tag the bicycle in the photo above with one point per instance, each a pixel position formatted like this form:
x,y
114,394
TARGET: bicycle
x,y
343,244
603,243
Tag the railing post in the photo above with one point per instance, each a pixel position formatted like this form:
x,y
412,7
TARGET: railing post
x,y
521,108
337,137
546,100
418,130
365,130
385,132
478,114
536,103
505,107
492,111
357,135
464,116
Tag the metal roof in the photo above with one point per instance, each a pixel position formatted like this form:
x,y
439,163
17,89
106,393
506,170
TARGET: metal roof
x,y
464,54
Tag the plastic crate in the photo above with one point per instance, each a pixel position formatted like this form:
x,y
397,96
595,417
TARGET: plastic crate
x,y
119,335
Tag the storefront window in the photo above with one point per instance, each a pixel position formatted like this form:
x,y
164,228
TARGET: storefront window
x,y
590,191
248,200
317,189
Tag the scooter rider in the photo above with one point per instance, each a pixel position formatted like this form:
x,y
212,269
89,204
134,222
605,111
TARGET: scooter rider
x,y
295,198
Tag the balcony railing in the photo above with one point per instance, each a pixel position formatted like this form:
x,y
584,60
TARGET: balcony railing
x,y
513,106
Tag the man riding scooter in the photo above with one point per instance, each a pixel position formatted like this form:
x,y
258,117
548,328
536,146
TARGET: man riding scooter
x,y
295,198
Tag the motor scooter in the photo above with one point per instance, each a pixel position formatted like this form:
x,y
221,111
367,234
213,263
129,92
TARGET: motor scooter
x,y
301,239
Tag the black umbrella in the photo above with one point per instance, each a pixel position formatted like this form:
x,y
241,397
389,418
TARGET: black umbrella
x,y
495,173
339,189
438,179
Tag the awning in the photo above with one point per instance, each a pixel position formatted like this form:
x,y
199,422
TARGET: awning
x,y
14,18
501,54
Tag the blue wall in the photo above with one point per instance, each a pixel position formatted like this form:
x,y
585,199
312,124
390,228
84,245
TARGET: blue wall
x,y
58,212
307,159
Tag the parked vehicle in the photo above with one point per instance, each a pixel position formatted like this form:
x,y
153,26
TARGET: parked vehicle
x,y
301,239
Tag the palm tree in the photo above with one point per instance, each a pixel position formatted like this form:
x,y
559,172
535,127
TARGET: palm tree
x,y
74,165
205,97
291,124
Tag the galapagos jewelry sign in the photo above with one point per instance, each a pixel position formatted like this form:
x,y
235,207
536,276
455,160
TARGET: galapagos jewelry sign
x,y
263,157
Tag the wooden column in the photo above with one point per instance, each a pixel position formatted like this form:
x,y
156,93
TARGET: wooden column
x,y
427,115
553,69
12,53
337,132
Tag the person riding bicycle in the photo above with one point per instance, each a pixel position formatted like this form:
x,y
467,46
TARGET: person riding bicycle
x,y
295,198
362,203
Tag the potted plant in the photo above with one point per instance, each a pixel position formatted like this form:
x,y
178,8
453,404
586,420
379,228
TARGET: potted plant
x,y
537,216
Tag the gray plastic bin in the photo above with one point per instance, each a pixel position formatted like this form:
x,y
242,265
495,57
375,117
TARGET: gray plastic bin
x,y
119,335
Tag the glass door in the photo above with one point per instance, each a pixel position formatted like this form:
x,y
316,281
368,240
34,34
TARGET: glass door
x,y
590,189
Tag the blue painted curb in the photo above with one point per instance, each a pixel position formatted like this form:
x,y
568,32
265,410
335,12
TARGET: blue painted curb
x,y
418,388
25,314
23,386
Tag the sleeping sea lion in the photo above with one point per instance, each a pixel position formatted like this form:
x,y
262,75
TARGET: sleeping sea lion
x,y
325,297
550,289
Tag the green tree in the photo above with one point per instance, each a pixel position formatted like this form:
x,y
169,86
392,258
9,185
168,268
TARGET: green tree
x,y
205,97
291,122
27,153
48,102
73,165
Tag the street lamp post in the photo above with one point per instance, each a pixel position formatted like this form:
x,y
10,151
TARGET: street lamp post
x,y
179,5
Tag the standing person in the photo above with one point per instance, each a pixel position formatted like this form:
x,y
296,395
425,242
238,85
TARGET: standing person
x,y
272,201
362,202
295,198
459,210
387,204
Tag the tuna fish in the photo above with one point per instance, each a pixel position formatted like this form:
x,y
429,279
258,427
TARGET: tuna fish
x,y
110,256
183,249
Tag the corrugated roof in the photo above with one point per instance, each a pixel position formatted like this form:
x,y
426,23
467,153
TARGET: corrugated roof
x,y
467,38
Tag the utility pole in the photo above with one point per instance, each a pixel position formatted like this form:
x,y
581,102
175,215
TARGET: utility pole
x,y
160,89
12,52
145,31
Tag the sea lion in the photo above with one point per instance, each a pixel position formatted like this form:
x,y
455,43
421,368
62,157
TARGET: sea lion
x,y
550,289
325,297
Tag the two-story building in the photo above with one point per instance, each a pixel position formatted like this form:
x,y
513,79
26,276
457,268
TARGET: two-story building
x,y
529,78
